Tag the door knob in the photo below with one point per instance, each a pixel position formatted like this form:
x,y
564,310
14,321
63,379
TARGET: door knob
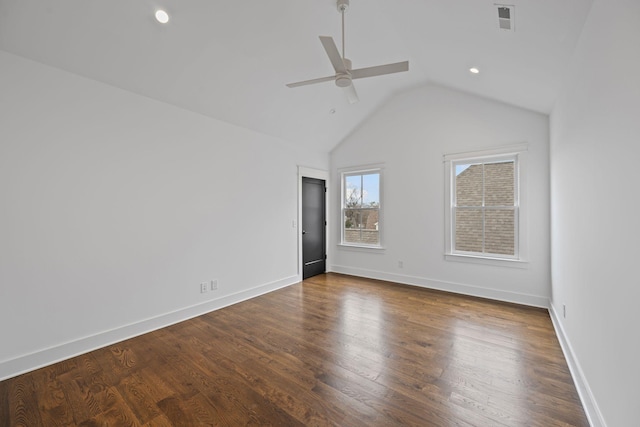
x,y
304,232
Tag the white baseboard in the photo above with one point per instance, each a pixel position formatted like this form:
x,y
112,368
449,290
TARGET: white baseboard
x,y
459,288
29,362
584,391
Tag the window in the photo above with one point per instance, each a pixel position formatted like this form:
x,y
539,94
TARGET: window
x,y
361,208
484,205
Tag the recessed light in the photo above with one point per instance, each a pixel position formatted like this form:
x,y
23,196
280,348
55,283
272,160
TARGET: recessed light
x,y
474,70
162,16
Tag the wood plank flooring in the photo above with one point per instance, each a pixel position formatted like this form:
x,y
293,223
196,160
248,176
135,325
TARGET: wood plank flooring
x,y
333,350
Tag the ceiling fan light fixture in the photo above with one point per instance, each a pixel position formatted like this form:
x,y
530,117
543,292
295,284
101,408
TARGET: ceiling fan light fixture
x,y
343,80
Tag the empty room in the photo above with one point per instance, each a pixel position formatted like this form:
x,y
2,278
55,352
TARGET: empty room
x,y
319,212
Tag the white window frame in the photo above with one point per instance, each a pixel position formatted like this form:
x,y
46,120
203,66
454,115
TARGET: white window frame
x,y
344,173
516,152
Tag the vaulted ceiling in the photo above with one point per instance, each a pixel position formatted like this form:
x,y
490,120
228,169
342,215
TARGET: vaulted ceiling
x,y
230,60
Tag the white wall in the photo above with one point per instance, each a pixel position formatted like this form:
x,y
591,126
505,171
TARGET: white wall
x,y
595,149
114,208
410,135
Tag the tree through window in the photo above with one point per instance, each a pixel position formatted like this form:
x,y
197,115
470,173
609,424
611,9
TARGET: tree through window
x,y
361,208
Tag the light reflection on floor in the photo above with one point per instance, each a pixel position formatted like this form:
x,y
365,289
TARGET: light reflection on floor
x,y
481,373
361,318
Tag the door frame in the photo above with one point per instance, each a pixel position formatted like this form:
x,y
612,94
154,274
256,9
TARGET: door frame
x,y
317,174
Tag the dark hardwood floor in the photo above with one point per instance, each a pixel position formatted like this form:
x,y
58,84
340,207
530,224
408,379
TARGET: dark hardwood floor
x,y
333,350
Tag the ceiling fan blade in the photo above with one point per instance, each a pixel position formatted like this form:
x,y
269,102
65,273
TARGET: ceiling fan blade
x,y
334,55
352,96
310,82
380,70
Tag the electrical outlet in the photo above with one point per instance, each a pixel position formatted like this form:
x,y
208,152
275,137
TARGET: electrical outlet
x,y
214,285
204,287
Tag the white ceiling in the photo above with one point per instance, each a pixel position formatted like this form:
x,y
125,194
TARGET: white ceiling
x,y
231,59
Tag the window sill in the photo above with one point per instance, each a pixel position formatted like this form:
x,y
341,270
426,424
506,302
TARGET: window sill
x,y
348,246
498,262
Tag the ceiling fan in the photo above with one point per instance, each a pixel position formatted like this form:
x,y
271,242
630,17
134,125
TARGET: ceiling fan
x,y
344,74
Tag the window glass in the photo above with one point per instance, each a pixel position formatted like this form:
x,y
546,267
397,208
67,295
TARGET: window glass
x,y
469,185
484,207
499,231
469,230
361,208
499,184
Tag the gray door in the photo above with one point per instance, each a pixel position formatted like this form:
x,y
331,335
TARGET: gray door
x,y
313,227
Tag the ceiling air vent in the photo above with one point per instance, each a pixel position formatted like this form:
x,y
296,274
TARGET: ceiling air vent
x,y
505,17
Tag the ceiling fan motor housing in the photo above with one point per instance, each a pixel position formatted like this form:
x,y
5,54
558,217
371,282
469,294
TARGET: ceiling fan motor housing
x,y
344,79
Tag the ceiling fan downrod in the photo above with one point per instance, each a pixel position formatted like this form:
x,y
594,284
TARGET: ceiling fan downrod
x,y
343,80
343,6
